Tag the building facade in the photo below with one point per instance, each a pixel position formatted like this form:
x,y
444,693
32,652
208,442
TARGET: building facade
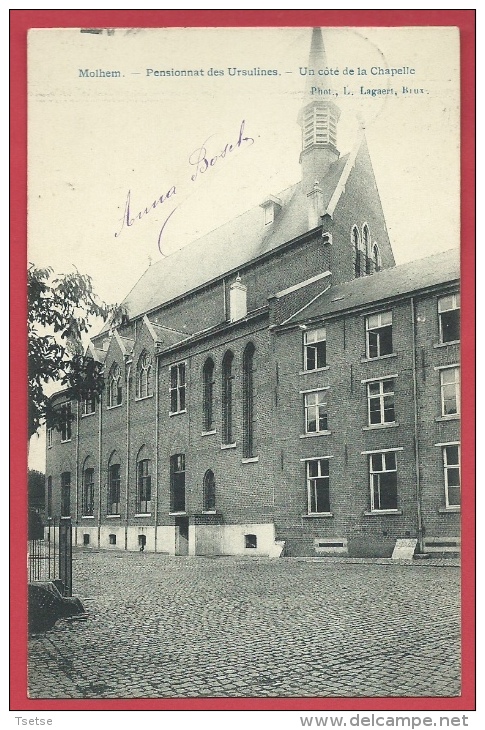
x,y
294,393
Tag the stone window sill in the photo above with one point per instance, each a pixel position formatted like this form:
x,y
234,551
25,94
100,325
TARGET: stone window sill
x,y
317,433
317,370
176,514
450,417
313,515
381,357
86,415
143,514
228,446
208,433
250,460
111,408
109,517
377,512
377,426
87,517
177,413
143,397
445,344
449,510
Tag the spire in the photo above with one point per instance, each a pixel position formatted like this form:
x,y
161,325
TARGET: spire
x,y
317,59
318,117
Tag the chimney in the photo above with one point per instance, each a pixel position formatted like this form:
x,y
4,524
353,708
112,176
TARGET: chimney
x,y
238,306
315,205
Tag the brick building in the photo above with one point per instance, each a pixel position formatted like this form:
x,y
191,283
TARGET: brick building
x,y
295,389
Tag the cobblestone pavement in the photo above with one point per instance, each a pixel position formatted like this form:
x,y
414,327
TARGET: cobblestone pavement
x,y
162,626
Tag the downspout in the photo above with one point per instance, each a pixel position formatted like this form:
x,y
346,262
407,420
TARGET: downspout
x,y
78,420
127,472
157,363
100,441
416,433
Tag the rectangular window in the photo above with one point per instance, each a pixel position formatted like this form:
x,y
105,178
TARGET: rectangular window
x,y
380,402
316,412
318,486
66,421
144,487
65,494
88,404
383,481
114,489
88,492
177,483
449,318
451,464
50,437
315,349
177,388
450,391
379,334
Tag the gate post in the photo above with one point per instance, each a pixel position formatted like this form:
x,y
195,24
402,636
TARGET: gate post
x,y
65,554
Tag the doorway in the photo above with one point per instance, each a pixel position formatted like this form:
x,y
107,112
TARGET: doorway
x,y
181,535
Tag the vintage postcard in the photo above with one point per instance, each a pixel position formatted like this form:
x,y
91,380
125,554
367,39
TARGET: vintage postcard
x,y
246,469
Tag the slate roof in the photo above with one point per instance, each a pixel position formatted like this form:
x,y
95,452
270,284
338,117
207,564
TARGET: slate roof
x,y
389,283
227,248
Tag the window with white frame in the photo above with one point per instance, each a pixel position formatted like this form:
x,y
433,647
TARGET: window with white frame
x,y
315,349
177,388
88,404
378,334
144,487
318,486
450,391
449,318
380,402
383,481
144,376
451,465
316,411
115,393
66,422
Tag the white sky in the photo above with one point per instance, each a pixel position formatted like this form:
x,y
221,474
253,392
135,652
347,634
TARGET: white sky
x,y
93,139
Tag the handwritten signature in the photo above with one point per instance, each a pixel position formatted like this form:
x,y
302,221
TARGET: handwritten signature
x,y
199,159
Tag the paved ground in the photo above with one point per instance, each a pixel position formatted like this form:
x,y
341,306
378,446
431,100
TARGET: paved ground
x,y
162,626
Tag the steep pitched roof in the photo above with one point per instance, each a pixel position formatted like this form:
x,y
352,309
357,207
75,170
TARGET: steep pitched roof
x,y
389,283
227,248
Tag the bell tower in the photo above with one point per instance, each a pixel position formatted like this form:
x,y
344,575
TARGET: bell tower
x,y
318,119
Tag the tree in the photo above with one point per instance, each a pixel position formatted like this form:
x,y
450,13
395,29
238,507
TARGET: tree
x,y
60,309
36,483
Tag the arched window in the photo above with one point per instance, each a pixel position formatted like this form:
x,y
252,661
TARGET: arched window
x,y
248,401
376,258
114,484
209,491
88,489
356,250
115,393
366,249
208,395
144,375
143,483
227,378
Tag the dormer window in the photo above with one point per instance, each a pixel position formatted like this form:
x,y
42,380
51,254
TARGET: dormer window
x,y
271,207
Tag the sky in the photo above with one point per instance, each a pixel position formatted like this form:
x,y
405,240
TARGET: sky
x,y
96,142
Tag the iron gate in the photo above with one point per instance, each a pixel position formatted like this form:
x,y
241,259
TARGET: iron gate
x,y
50,558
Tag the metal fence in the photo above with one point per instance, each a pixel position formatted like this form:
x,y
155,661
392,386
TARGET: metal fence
x,y
50,558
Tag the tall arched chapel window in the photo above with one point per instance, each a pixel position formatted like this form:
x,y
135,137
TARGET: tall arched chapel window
x,y
208,395
376,258
248,401
356,250
144,375
209,491
366,249
227,378
115,393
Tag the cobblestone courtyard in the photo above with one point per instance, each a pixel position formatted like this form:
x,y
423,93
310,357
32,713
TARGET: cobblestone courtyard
x,y
162,626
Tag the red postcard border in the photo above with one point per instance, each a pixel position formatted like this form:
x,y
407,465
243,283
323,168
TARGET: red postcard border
x,y
20,22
